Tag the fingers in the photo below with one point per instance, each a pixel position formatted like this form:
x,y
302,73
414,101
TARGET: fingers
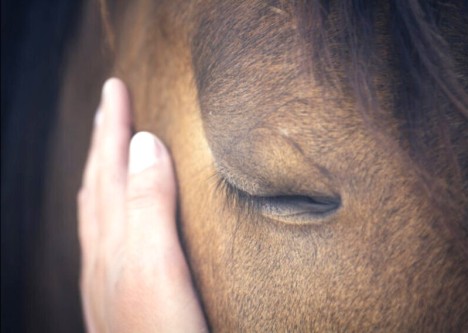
x,y
113,156
152,236
132,259
151,192
101,199
102,195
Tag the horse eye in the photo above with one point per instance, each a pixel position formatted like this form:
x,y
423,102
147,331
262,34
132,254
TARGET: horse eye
x,y
289,209
297,209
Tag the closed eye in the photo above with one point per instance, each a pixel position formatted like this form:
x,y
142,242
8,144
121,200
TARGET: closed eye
x,y
289,209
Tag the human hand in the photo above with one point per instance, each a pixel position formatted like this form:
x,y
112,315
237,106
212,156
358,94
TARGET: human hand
x,y
134,276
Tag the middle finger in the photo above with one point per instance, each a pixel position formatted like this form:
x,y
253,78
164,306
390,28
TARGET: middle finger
x,y
113,144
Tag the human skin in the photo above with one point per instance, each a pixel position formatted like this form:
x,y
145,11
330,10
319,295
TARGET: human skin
x,y
134,276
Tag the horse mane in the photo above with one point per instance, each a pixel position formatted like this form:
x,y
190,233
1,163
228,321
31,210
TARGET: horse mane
x,y
428,57
430,91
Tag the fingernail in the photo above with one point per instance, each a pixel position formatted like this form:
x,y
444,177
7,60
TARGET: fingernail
x,y
145,151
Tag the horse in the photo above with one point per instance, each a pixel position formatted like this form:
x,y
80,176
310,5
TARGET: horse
x,y
320,149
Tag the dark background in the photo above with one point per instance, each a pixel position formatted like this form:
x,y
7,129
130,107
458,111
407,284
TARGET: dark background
x,y
34,36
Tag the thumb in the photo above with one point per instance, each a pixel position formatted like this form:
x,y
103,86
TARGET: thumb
x,y
151,189
152,237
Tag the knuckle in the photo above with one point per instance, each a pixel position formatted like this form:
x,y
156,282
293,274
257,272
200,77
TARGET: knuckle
x,y
142,189
147,192
141,198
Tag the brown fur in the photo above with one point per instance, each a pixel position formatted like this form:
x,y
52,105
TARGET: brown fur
x,y
228,89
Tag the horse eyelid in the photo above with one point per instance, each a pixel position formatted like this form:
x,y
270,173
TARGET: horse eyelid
x,y
250,205
240,201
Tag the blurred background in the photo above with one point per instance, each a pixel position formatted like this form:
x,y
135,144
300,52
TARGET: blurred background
x,y
34,38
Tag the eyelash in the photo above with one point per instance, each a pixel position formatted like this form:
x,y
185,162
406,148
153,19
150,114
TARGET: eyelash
x,y
236,199
247,205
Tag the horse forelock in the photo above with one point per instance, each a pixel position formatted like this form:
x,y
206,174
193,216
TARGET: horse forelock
x,y
346,44
426,42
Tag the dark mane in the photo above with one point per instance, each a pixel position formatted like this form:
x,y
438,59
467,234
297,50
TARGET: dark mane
x,y
428,47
